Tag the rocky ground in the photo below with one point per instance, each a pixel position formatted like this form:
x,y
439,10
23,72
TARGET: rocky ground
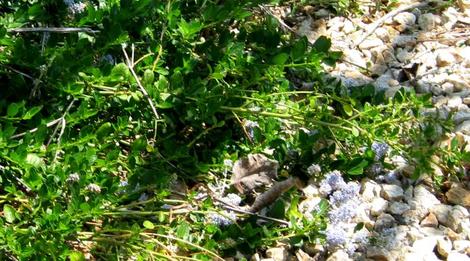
x,y
424,47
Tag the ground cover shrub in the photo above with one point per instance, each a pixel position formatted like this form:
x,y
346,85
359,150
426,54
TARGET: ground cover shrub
x,y
99,125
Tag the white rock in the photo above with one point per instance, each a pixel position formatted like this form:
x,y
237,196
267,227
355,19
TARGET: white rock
x,y
356,57
428,61
404,40
440,100
424,197
354,78
379,253
432,232
461,245
277,253
408,194
444,57
412,256
444,246
382,83
384,221
449,216
466,100
335,23
461,115
464,5
459,81
459,216
428,21
454,102
403,55
448,88
391,192
348,27
465,228
370,43
405,19
398,208
455,256
442,213
337,36
425,245
450,17
308,205
338,255
464,127
464,54
370,190
378,206
382,34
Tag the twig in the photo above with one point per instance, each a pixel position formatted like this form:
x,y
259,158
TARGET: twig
x,y
287,27
160,48
235,208
62,120
61,30
239,210
142,89
49,124
392,14
62,130
18,72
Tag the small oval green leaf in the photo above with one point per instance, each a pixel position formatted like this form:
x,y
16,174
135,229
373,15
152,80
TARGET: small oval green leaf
x,y
9,213
149,224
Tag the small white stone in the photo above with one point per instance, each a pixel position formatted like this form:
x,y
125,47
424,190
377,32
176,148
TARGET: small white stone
x,y
310,191
403,55
338,255
454,102
404,40
442,213
448,88
462,115
444,246
424,197
444,58
378,206
450,18
348,27
370,43
464,55
382,83
356,57
464,127
455,256
335,23
384,221
461,245
428,21
398,208
391,192
405,18
277,254
466,100
425,245
382,34
370,190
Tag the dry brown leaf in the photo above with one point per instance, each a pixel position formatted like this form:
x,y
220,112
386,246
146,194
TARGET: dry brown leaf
x,y
273,193
252,172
